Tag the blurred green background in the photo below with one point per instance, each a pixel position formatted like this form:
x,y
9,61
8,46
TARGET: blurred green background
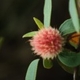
x,y
16,19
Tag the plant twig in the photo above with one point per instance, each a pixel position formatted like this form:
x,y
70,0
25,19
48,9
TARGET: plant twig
x,y
75,74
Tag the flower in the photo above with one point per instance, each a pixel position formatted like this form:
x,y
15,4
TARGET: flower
x,y
47,43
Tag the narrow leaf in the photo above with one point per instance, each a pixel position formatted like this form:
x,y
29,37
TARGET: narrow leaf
x,y
47,12
74,14
47,63
32,70
38,22
30,34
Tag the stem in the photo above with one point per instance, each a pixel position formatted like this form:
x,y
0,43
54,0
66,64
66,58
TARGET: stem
x,y
75,74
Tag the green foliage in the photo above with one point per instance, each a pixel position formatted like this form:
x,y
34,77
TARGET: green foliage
x,y
74,14
38,22
47,12
30,34
47,63
66,68
69,58
32,70
67,27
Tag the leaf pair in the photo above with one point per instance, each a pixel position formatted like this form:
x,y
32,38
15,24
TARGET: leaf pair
x,y
40,26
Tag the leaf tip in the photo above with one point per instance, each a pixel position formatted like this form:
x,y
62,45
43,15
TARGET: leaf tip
x,y
34,18
23,36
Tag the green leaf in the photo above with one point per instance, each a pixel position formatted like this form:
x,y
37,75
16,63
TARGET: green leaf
x,y
66,68
32,70
67,27
47,63
74,14
47,12
30,34
38,22
69,58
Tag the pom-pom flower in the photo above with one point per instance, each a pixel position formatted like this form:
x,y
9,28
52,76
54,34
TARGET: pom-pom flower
x,y
47,43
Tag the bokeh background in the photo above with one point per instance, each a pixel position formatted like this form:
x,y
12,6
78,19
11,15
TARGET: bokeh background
x,y
16,19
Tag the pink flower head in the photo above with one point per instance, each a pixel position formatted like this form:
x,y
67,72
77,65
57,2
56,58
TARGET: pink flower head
x,y
47,43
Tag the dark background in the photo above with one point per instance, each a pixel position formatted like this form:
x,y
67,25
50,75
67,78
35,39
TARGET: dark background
x,y
16,19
